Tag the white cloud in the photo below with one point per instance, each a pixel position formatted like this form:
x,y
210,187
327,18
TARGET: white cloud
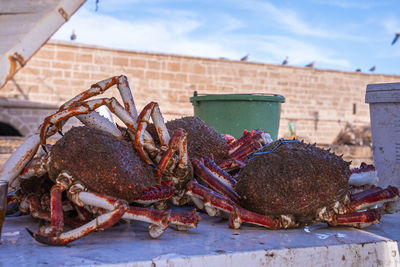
x,y
230,23
391,24
347,3
291,21
177,32
276,48
159,35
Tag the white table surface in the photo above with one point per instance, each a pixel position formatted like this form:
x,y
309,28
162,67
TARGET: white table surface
x,y
212,244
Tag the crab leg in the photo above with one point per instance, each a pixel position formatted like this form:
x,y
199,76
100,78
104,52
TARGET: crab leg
x,y
32,203
183,157
181,147
89,106
357,219
185,220
249,137
57,216
246,149
351,214
363,178
219,173
158,219
178,142
19,159
85,108
63,182
100,87
237,215
231,164
229,138
36,168
155,194
150,110
208,177
182,171
240,148
94,119
102,222
372,197
55,235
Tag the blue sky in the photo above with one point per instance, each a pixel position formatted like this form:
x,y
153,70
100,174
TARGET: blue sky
x,y
336,34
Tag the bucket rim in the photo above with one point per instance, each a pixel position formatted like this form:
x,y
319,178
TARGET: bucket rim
x,y
382,93
378,87
246,97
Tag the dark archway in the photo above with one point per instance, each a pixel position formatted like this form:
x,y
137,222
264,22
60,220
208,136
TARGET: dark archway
x,y
8,130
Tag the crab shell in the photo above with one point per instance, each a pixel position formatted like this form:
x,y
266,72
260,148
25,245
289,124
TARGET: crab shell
x,y
295,178
102,162
202,139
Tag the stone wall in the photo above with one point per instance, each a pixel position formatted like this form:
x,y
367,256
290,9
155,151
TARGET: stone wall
x,y
26,116
320,101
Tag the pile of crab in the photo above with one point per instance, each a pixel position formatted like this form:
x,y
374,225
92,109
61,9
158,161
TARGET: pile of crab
x,y
100,173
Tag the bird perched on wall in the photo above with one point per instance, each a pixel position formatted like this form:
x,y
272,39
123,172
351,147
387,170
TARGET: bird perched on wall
x,y
73,36
396,36
97,5
285,62
310,65
358,70
372,69
245,58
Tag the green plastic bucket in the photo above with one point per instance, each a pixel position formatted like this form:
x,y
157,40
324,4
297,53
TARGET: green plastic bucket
x,y
234,113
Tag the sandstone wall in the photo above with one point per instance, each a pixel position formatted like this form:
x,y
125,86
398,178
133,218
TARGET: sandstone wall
x,y
320,101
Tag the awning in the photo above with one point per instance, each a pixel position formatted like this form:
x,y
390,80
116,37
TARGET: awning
x,y
25,25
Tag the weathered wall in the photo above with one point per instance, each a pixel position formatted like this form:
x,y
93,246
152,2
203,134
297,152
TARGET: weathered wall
x,y
319,101
24,116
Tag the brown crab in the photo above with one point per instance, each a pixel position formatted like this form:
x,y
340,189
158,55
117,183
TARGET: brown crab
x,y
100,170
287,184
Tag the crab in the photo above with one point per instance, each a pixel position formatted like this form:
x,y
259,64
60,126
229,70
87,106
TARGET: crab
x,y
102,171
288,184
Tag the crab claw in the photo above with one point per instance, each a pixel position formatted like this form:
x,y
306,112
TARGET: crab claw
x,y
185,220
101,223
48,240
364,175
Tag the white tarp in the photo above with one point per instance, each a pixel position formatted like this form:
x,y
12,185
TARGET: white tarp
x,y
25,25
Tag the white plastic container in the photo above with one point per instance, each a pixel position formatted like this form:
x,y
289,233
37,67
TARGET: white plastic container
x,y
384,106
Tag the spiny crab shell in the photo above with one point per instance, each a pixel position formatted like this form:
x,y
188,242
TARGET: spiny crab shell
x,y
105,163
202,140
296,178
288,183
